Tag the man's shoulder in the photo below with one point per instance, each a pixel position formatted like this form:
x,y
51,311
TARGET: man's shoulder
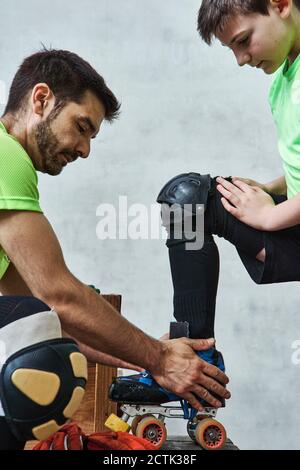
x,y
14,158
10,145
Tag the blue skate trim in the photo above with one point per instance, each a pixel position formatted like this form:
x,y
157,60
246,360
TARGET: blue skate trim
x,y
188,412
211,356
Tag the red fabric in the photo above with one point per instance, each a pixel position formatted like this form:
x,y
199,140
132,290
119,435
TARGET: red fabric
x,y
71,437
117,441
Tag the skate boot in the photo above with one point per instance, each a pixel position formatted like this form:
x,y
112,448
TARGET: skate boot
x,y
144,390
141,397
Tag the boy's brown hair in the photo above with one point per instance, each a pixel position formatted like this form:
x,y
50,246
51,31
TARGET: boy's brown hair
x,y
213,14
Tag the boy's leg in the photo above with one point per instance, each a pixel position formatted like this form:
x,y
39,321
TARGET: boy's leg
x,y
195,273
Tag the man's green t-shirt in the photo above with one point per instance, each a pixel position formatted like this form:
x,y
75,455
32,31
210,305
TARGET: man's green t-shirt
x,y
285,104
18,182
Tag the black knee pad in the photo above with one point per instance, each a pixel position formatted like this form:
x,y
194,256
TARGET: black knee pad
x,y
184,200
42,375
186,189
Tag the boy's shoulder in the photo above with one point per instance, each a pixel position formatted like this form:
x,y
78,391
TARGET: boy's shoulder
x,y
276,84
286,84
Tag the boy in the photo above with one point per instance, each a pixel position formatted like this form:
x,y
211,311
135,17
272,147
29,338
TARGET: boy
x,y
262,221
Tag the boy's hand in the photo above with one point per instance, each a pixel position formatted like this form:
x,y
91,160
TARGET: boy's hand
x,y
249,204
250,183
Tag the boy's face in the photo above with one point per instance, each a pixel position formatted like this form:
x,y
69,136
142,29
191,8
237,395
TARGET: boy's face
x,y
257,40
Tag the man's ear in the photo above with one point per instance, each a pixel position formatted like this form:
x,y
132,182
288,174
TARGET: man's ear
x,y
283,7
41,98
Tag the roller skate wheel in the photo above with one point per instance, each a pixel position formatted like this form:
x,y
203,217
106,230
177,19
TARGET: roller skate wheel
x,y
153,430
192,424
136,421
116,424
210,434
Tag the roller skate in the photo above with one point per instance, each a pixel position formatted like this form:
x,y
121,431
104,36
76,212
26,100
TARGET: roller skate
x,y
141,398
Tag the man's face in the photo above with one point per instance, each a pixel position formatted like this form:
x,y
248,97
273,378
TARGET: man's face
x,y
66,133
257,40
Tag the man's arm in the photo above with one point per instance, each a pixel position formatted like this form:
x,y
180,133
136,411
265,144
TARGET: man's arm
x,y
13,284
31,244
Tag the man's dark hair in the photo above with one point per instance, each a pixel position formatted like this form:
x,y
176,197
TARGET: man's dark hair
x,y
214,14
67,75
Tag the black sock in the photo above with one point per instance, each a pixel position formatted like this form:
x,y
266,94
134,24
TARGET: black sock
x,y
195,277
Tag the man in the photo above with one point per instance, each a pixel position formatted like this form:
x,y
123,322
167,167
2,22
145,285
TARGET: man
x,y
56,105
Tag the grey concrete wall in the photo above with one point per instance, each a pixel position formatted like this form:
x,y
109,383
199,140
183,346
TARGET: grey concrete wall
x,y
184,107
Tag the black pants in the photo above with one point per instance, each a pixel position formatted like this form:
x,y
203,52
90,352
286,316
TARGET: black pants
x,y
195,274
13,308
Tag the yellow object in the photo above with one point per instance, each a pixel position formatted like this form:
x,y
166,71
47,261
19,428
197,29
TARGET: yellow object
x,y
116,424
40,386
74,403
79,365
45,430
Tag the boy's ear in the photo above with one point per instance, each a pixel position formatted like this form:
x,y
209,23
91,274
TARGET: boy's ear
x,y
283,7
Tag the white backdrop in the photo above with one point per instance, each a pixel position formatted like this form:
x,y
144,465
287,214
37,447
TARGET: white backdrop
x,y
185,107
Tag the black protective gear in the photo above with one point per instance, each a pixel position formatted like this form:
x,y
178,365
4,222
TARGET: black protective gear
x,y
42,375
186,189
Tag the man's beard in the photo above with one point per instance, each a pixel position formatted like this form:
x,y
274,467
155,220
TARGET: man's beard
x,y
48,145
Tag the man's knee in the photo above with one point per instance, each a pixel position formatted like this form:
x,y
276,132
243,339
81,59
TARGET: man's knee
x,y
42,375
13,308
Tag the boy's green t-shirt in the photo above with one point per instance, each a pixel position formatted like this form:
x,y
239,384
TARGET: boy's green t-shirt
x,y
284,99
18,182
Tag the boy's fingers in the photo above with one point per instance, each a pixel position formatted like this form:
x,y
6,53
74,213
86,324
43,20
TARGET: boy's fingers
x,y
232,188
242,185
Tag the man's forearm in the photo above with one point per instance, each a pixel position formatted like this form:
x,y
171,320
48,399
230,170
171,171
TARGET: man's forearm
x,y
277,186
89,318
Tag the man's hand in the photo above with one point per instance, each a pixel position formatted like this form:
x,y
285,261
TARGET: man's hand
x,y
249,204
184,373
